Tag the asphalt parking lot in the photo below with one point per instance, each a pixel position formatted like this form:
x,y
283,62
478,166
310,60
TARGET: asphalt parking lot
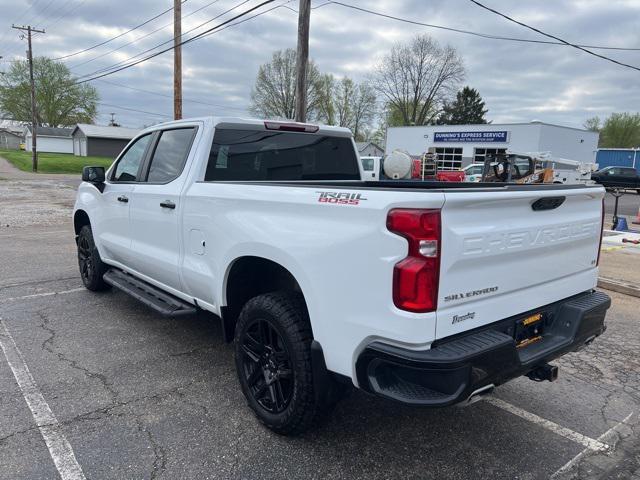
x,y
126,393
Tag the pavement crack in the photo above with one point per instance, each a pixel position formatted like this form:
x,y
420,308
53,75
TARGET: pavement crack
x,y
19,432
48,345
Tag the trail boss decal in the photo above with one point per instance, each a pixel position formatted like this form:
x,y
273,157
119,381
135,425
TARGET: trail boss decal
x,y
472,293
341,198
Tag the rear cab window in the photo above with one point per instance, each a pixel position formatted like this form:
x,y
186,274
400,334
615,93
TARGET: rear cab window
x,y
254,155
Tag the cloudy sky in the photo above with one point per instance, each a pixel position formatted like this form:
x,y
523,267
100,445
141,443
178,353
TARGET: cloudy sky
x,y
520,82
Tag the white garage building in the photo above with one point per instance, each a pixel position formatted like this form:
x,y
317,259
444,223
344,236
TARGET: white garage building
x,y
50,139
459,145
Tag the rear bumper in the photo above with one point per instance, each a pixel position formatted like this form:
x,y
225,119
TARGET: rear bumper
x,y
455,367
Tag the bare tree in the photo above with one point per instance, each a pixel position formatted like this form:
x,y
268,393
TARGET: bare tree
x,y
326,109
344,98
364,110
415,79
274,92
346,104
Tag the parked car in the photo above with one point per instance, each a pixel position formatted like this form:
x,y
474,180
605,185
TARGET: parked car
x,y
617,177
425,294
473,172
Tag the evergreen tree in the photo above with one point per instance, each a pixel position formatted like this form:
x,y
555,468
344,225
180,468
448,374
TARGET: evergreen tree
x,y
467,108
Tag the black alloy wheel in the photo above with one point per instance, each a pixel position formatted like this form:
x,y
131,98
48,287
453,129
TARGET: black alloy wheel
x,y
267,366
89,262
85,259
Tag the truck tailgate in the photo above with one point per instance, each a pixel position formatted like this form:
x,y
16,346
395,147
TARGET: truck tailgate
x,y
501,257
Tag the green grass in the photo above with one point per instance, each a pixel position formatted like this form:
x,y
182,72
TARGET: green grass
x,y
53,162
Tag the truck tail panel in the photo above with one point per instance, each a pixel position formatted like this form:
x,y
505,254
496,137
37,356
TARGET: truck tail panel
x,y
499,250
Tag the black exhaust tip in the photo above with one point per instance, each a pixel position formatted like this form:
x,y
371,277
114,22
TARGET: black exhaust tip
x,y
544,372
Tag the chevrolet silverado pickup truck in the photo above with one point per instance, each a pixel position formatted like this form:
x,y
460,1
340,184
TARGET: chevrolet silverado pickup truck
x,y
425,293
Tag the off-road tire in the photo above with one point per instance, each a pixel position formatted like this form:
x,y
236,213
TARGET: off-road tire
x,y
287,314
91,266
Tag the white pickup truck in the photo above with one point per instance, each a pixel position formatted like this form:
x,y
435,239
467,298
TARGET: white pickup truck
x,y
425,293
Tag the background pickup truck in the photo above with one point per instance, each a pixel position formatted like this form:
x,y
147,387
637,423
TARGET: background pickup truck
x,y
427,293
617,177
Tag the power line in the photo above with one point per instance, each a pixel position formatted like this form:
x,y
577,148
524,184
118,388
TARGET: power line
x,y
134,110
140,54
117,36
189,40
217,30
124,65
283,5
38,14
556,38
65,13
151,92
140,38
24,12
469,32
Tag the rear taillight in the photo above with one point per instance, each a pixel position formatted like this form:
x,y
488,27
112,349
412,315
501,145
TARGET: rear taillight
x,y
415,278
601,233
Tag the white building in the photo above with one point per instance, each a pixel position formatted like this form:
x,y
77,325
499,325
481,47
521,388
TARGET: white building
x,y
49,139
459,145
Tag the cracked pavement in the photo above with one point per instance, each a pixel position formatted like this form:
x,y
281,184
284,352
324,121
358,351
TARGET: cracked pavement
x,y
142,396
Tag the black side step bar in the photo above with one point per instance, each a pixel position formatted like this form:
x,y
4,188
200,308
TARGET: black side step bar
x,y
162,302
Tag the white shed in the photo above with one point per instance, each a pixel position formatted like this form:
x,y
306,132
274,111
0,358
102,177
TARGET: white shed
x,y
50,139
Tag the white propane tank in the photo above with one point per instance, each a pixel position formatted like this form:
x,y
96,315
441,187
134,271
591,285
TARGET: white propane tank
x,y
398,165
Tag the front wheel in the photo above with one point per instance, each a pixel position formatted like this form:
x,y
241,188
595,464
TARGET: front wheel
x,y
91,267
273,360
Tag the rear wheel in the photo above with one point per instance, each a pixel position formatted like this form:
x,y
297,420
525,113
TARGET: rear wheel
x,y
273,361
91,267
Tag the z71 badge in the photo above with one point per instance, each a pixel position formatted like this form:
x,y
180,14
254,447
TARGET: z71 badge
x,y
341,198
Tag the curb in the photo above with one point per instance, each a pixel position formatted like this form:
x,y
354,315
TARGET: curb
x,y
618,286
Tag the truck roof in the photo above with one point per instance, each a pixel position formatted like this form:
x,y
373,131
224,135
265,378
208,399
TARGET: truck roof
x,y
256,123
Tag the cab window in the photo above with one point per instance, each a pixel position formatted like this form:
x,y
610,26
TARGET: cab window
x,y
367,164
170,155
129,164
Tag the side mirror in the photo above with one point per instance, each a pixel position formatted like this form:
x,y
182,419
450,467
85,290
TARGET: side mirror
x,y
93,175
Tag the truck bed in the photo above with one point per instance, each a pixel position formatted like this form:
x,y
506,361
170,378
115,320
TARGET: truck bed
x,y
413,185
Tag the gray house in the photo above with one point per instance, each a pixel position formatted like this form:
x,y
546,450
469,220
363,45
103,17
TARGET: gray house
x,y
100,141
369,149
10,140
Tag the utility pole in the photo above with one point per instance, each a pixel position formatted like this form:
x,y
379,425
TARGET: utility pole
x,y
177,60
302,60
34,152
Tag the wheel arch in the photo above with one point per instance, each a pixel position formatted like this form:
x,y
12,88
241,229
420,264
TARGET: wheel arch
x,y
80,219
247,277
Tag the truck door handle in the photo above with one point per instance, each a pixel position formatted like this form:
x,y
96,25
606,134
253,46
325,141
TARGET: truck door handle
x,y
123,199
168,204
